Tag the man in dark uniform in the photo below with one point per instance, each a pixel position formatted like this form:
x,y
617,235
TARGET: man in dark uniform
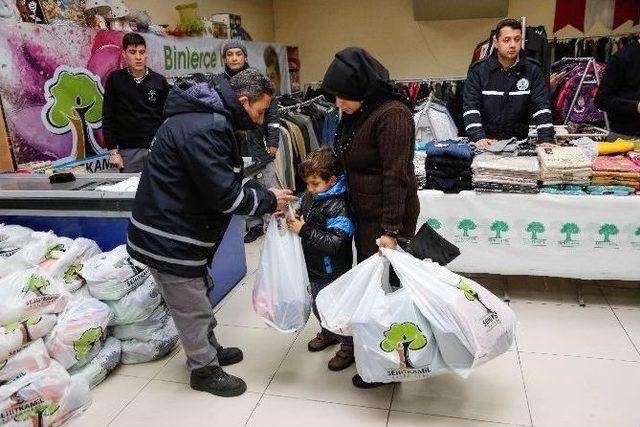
x,y
506,92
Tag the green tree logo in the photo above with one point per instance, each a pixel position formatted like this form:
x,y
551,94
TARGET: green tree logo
x,y
36,284
74,104
24,328
403,337
569,229
59,247
466,225
37,413
608,230
83,345
499,227
637,233
469,293
72,273
434,223
535,228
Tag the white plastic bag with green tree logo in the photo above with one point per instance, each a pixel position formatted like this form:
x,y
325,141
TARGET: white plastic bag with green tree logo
x,y
13,238
81,329
29,256
111,275
18,334
106,361
47,397
66,257
137,305
32,292
281,294
472,326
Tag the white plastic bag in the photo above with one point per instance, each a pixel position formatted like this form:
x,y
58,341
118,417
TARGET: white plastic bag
x,y
157,345
15,335
29,256
112,275
49,397
106,361
137,305
338,302
30,293
28,360
65,259
13,238
471,325
281,294
142,330
393,341
81,329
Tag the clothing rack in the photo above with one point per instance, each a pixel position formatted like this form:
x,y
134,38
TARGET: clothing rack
x,y
302,104
608,36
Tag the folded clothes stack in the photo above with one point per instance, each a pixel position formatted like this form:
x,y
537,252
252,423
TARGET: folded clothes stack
x,y
508,147
448,166
564,165
494,173
616,170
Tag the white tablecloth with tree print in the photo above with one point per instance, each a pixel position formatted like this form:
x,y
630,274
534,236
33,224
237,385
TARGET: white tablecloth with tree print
x,y
581,237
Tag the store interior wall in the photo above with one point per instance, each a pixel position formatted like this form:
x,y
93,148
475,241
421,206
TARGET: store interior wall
x,y
257,15
387,28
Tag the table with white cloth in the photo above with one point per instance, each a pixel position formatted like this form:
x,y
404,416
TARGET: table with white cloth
x,y
576,237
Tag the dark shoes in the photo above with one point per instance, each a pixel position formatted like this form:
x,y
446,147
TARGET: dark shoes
x,y
253,234
360,383
229,356
323,340
212,379
343,358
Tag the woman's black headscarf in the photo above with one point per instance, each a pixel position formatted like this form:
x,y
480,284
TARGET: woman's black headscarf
x,y
357,76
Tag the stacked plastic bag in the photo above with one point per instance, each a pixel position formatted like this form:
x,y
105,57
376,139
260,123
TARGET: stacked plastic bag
x,y
437,322
49,324
140,320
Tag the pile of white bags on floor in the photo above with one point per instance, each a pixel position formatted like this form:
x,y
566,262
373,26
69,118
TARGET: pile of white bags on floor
x,y
438,321
281,294
36,390
140,317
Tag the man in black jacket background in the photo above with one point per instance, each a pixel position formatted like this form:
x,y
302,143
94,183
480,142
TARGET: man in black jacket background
x,y
619,93
506,92
191,186
133,102
261,143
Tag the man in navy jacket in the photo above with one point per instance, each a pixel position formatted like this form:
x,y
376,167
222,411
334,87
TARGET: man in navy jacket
x,y
192,184
506,92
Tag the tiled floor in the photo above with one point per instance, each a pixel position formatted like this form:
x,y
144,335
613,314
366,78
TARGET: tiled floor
x,y
571,366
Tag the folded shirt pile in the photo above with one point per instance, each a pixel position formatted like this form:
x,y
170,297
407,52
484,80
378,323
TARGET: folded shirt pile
x,y
616,170
448,166
496,173
564,165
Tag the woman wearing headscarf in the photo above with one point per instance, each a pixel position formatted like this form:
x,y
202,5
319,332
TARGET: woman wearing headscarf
x,y
375,144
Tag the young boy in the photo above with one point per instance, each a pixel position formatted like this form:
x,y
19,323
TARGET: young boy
x,y
326,230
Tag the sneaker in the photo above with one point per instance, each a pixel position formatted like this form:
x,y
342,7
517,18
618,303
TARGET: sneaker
x,y
253,234
229,356
212,379
343,358
323,340
360,383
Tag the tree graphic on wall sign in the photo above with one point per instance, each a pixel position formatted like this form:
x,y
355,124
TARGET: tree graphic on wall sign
x,y
466,225
568,229
74,104
534,228
608,230
434,223
499,227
